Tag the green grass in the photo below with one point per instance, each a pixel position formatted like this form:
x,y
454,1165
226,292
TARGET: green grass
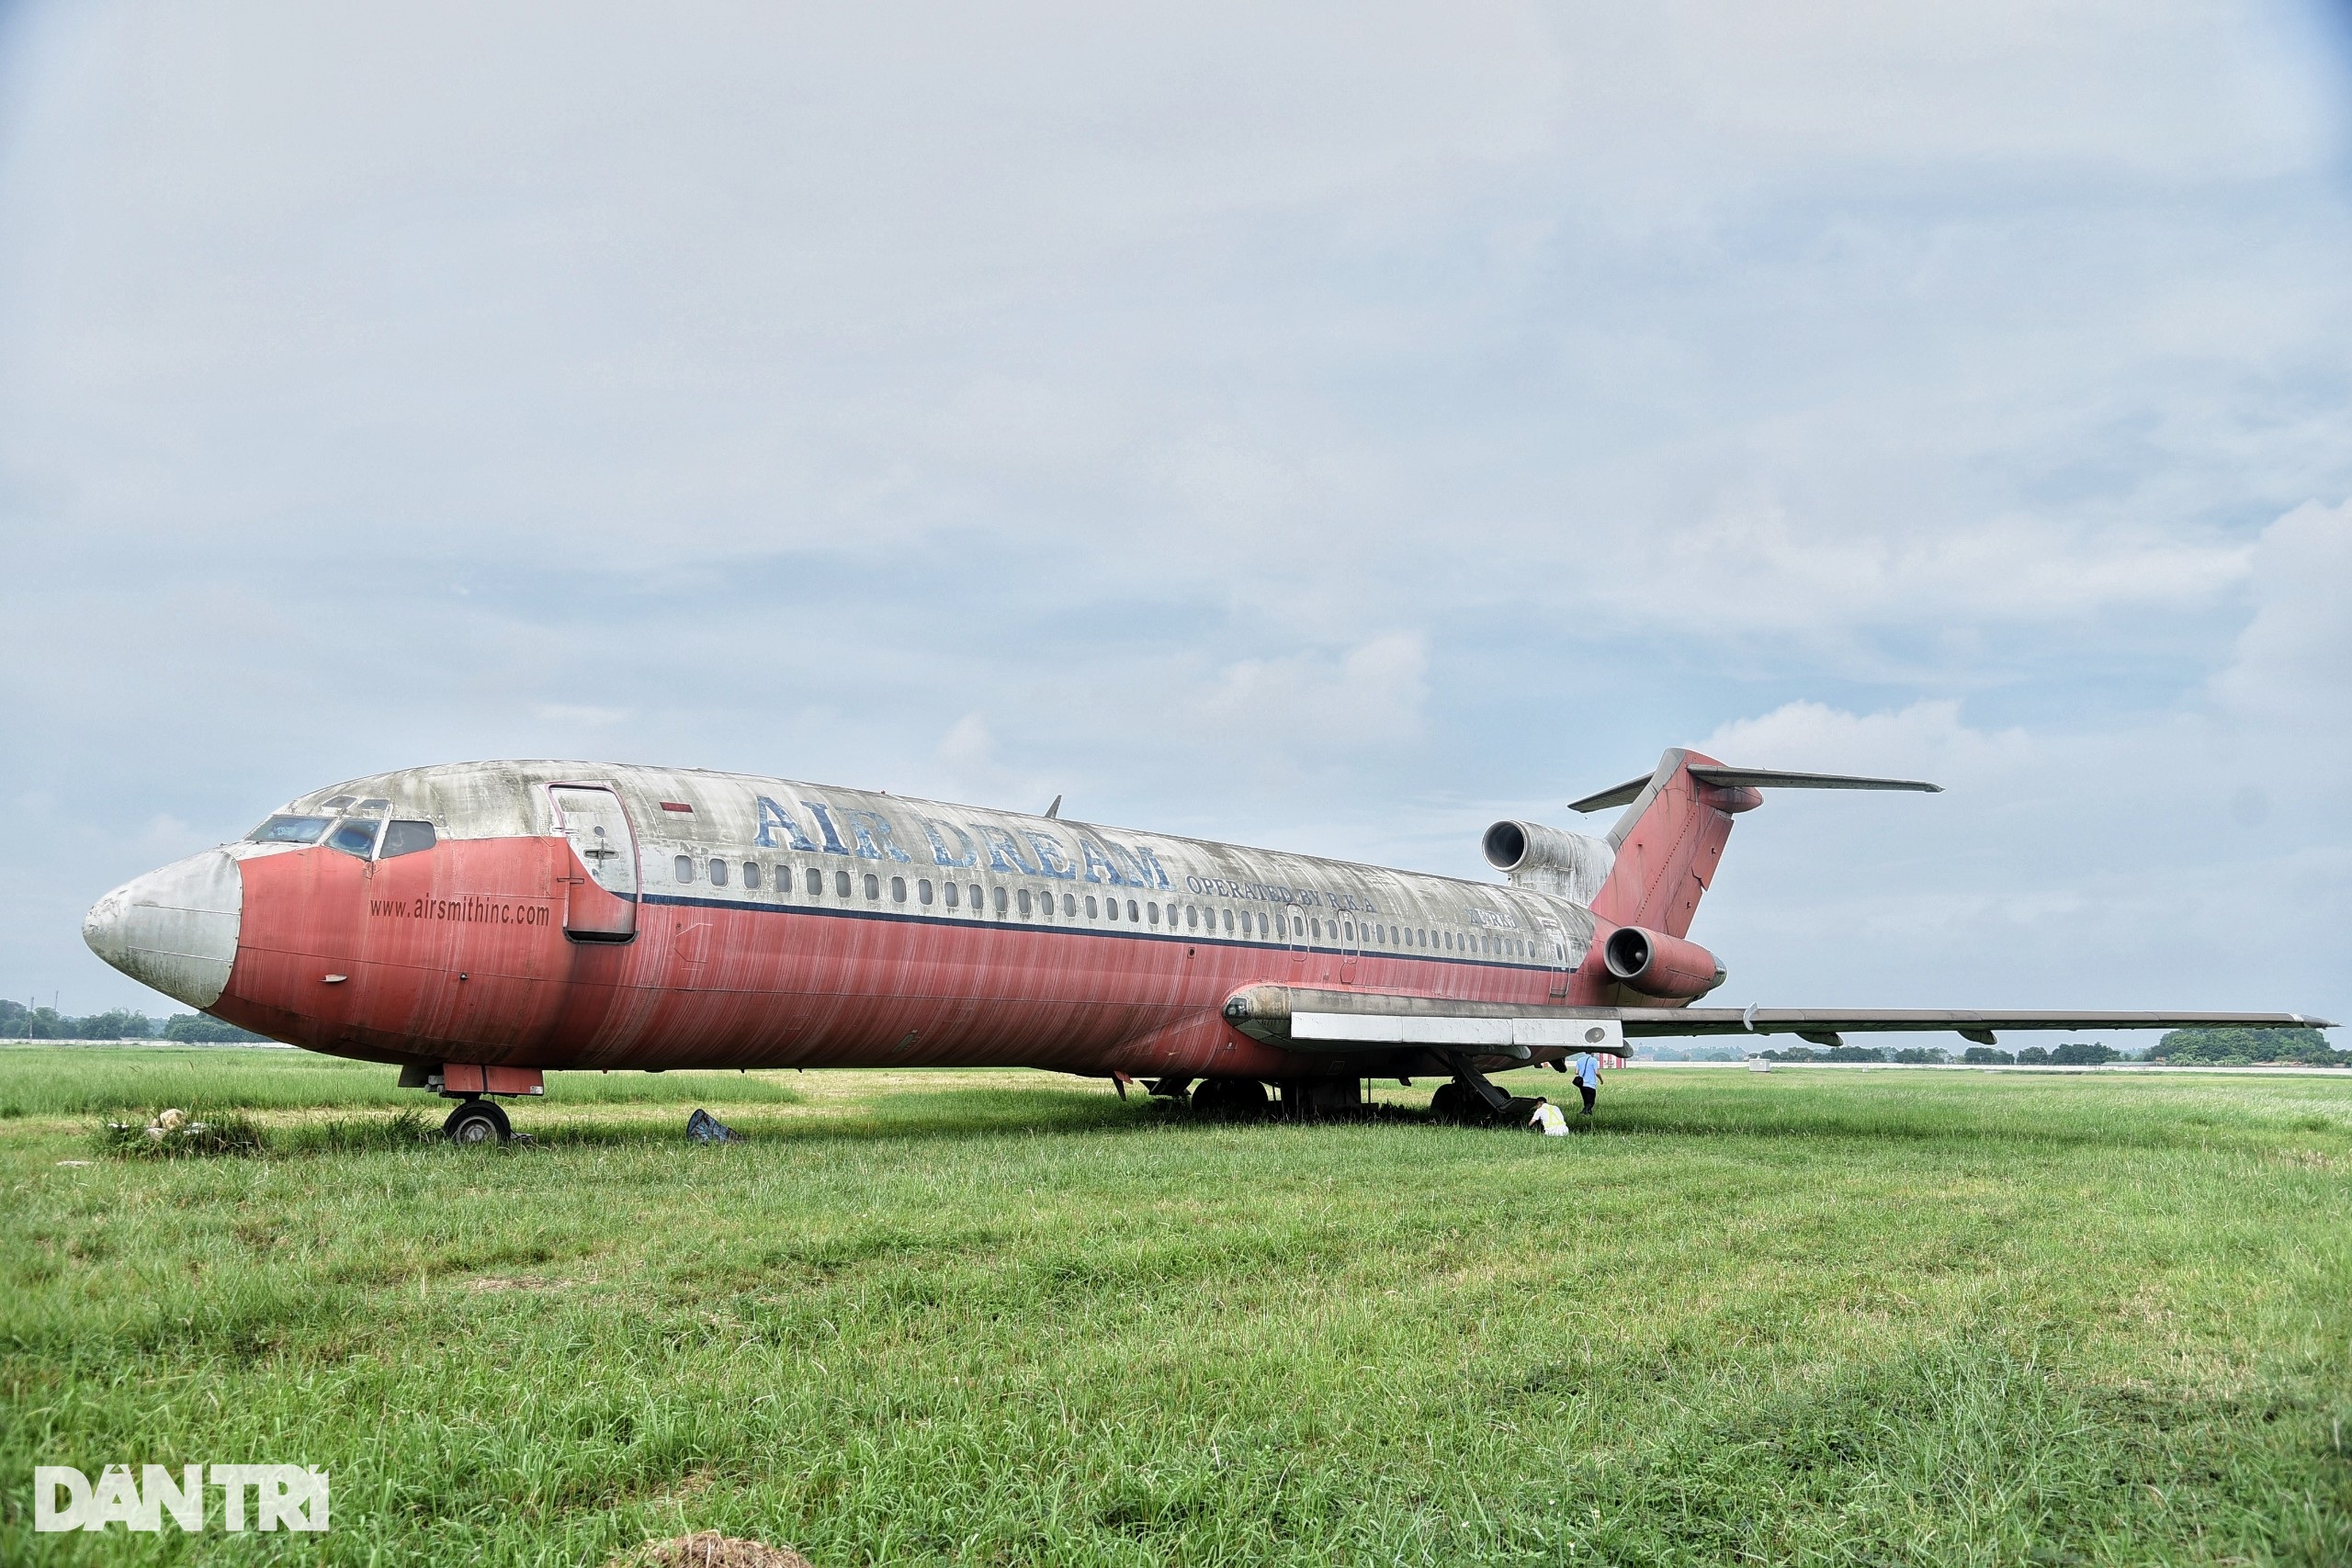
x,y
49,1080
1807,1318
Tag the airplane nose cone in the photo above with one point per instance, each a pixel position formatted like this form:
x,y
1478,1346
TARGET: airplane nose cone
x,y
175,929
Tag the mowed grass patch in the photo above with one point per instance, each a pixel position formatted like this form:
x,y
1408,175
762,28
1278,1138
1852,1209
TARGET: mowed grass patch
x,y
84,1080
1802,1317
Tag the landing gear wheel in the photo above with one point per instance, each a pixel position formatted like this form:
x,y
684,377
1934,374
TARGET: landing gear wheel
x,y
1450,1103
477,1122
1236,1100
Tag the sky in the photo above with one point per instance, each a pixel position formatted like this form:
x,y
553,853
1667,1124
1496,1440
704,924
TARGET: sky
x,y
1325,427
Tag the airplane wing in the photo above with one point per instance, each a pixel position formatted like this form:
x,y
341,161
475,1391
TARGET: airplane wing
x,y
1303,1019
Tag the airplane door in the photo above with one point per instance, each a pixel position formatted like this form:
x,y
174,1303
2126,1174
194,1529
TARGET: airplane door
x,y
602,905
1555,943
1350,945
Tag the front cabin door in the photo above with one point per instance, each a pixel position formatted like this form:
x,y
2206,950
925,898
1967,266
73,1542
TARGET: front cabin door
x,y
602,905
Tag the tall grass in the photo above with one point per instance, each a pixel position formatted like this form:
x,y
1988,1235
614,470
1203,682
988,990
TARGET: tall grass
x,y
1808,1318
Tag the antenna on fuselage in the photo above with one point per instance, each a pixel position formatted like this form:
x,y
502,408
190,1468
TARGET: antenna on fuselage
x,y
1054,810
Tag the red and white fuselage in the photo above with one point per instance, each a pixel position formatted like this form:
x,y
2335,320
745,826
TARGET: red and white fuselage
x,y
568,915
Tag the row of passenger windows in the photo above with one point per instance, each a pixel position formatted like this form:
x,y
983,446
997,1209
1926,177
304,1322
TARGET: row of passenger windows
x,y
1147,912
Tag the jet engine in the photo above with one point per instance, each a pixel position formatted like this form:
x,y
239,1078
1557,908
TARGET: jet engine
x,y
1659,966
1545,859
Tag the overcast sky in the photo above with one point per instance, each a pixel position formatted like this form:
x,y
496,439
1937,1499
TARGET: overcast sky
x,y
1329,427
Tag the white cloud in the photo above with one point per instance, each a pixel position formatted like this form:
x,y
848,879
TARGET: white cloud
x,y
1925,740
1368,698
1300,425
2292,665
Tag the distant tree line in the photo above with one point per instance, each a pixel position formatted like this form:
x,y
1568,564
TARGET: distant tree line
x,y
2182,1047
2069,1056
19,1022
2248,1047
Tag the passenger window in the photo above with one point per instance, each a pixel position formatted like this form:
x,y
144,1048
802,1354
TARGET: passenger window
x,y
974,890
1070,905
873,886
816,883
289,831
1001,900
405,838
1315,929
1228,923
354,838
751,875
923,890
1151,913
841,884
681,870
1191,917
1025,903
951,895
898,890
1131,910
718,874
1091,912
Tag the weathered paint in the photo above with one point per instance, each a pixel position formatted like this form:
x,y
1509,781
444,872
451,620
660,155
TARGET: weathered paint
x,y
466,953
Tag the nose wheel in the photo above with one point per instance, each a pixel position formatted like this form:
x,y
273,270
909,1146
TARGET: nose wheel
x,y
477,1122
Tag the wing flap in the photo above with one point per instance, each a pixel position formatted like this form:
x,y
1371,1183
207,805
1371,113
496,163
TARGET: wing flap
x,y
1308,1018
1658,1022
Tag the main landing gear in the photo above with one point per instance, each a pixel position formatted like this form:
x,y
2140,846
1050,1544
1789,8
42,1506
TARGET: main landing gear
x,y
1471,1099
478,1122
1234,1100
1302,1100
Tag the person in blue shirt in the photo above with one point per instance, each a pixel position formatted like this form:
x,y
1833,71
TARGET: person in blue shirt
x,y
1586,1070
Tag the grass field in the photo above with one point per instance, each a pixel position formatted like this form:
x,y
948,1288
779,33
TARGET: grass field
x,y
1809,1317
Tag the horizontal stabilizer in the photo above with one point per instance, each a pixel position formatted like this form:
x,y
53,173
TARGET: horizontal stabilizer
x,y
1772,778
1749,778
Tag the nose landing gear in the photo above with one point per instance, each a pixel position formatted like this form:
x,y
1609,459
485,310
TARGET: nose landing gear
x,y
477,1122
477,1119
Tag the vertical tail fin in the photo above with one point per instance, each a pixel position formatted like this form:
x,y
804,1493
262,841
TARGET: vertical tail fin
x,y
1669,841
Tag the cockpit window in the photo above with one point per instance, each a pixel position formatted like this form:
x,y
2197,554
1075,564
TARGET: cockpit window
x,y
289,831
355,837
336,804
405,838
373,805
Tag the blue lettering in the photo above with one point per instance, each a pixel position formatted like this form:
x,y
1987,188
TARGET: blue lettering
x,y
930,827
873,834
1000,845
1051,857
834,845
1154,875
1097,856
773,817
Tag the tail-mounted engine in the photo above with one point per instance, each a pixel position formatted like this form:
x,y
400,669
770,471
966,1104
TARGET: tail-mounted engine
x,y
1655,964
1545,859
